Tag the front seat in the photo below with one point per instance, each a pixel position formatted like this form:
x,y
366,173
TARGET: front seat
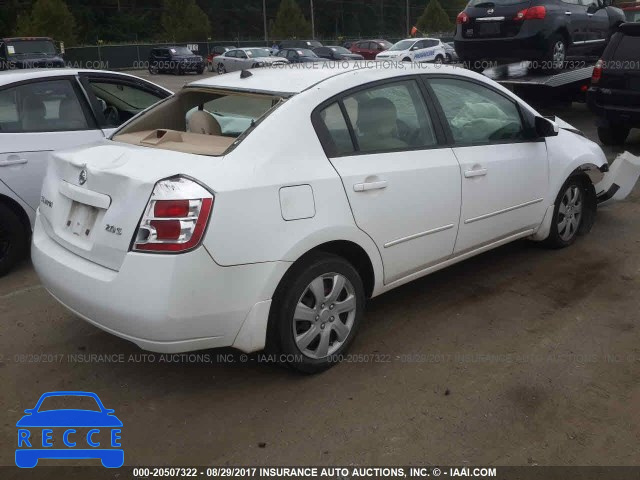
x,y
33,114
203,123
70,115
378,125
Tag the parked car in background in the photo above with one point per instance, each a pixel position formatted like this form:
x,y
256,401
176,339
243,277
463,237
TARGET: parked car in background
x,y
631,10
450,52
299,55
216,51
29,52
175,59
245,58
375,187
336,53
46,110
415,50
369,48
310,44
545,31
614,95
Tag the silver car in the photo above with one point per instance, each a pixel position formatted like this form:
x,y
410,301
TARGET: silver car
x,y
244,58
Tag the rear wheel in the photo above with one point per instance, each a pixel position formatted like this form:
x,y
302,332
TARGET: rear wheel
x,y
317,310
556,54
221,69
13,239
406,59
439,60
613,135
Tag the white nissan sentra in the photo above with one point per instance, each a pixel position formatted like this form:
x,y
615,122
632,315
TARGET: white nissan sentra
x,y
264,208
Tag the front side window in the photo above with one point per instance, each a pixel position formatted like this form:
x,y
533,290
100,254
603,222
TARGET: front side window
x,y
390,117
50,106
476,114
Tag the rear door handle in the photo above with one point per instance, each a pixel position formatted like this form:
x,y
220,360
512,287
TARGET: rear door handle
x,y
13,161
475,173
567,13
364,187
589,14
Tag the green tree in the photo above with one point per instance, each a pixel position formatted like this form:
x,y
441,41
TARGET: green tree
x,y
49,18
434,19
184,20
290,22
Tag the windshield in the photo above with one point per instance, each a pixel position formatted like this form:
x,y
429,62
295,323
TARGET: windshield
x,y
493,3
181,51
402,45
340,50
257,52
66,402
303,52
19,47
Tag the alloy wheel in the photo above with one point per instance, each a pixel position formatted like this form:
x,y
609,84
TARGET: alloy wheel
x,y
570,213
559,53
324,315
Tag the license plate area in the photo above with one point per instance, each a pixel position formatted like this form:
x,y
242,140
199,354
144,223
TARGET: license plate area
x,y
486,29
81,220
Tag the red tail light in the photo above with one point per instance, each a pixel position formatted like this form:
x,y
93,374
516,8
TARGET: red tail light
x,y
462,18
597,72
533,13
175,218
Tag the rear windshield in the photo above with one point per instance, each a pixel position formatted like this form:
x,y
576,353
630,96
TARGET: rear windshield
x,y
198,120
18,47
628,49
493,3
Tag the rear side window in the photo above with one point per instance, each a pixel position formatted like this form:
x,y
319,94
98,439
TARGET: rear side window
x,y
629,50
476,114
50,106
337,133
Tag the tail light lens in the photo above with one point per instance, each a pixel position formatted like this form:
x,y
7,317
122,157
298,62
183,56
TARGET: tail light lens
x,y
462,18
597,72
533,13
175,218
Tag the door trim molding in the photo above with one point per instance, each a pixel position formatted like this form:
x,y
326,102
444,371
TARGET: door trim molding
x,y
505,210
417,235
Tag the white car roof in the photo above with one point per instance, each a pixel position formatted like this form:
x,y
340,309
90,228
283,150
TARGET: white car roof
x,y
292,79
12,76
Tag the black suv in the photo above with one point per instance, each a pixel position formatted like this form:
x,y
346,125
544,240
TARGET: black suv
x,y
543,31
29,52
614,95
175,59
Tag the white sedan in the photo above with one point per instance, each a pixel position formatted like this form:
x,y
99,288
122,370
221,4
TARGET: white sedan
x,y
415,50
179,239
46,110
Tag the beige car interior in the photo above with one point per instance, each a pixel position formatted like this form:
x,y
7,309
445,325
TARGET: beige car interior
x,y
165,126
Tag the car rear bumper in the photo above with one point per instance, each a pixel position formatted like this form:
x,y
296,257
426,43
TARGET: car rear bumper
x,y
526,45
608,114
162,303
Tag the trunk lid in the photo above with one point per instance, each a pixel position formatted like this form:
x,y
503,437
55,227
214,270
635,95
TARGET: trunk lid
x,y
93,197
493,18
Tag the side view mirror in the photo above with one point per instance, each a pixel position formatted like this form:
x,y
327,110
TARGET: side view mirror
x,y
546,128
414,48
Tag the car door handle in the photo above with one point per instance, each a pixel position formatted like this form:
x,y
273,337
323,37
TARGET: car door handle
x,y
589,14
475,173
13,161
364,187
567,13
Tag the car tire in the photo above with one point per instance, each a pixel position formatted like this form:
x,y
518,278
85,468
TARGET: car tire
x,y
153,70
200,71
311,336
406,59
556,54
439,60
449,59
613,135
221,69
13,239
571,209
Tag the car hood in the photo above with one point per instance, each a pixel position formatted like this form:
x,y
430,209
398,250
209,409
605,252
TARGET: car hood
x,y
69,418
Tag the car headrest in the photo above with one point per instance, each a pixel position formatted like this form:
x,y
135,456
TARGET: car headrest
x,y
203,123
377,116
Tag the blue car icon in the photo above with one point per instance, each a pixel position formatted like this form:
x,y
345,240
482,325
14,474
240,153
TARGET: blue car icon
x,y
41,427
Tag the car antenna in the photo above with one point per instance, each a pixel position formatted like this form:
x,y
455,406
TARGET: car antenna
x,y
245,74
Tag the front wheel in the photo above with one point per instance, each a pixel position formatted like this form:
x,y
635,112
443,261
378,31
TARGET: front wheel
x,y
221,69
317,310
568,214
556,53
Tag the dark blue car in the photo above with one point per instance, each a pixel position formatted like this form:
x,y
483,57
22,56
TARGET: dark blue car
x,y
33,446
